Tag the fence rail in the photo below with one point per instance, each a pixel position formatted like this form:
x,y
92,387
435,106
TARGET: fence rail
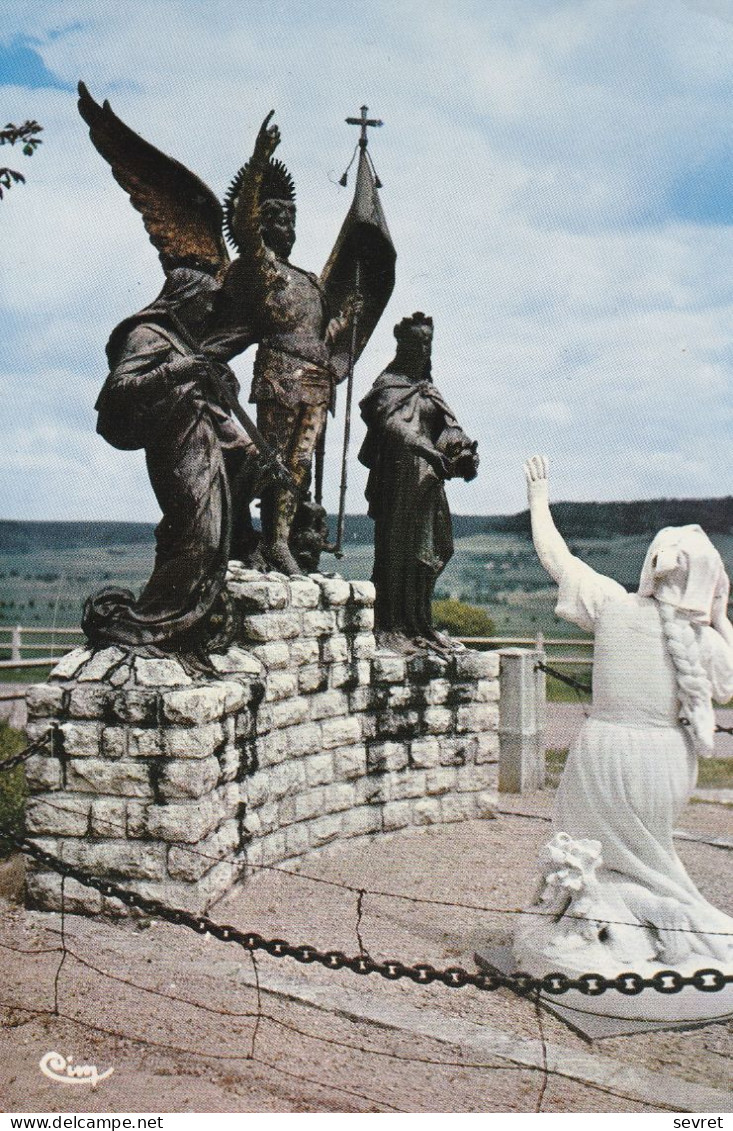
x,y
48,640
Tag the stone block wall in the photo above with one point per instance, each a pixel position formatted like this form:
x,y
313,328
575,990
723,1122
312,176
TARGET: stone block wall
x,y
170,779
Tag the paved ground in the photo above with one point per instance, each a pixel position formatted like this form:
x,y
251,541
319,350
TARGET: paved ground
x,y
174,1013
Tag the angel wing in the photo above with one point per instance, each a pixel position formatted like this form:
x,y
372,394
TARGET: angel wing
x,y
181,214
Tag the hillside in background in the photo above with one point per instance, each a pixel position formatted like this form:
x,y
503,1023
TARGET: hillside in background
x,y
589,520
645,516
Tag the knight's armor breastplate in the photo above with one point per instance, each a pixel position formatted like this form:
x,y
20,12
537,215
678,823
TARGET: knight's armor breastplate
x,y
293,364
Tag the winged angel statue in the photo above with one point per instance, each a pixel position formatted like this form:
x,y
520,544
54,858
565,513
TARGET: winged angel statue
x,y
171,391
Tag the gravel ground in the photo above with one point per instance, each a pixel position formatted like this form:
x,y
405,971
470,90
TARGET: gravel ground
x,y
172,1012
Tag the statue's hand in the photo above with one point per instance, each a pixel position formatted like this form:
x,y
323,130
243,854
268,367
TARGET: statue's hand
x,y
351,309
536,472
267,141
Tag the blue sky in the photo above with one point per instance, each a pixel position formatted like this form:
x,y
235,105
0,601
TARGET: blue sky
x,y
557,180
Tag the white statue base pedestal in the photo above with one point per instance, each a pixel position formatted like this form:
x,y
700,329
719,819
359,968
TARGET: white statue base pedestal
x,y
612,1014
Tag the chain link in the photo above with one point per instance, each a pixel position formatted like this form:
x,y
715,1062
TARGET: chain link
x,y
23,755
568,679
422,973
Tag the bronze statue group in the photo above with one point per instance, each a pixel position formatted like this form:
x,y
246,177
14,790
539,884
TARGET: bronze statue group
x,y
171,391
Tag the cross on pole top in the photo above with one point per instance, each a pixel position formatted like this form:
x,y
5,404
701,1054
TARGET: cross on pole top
x,y
363,122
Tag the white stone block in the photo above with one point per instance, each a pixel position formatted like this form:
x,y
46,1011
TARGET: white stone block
x,y
341,732
425,752
42,773
44,700
308,805
364,646
329,704
437,692
160,673
361,821
69,665
304,652
189,742
275,654
458,807
189,778
97,775
265,627
109,817
339,796
339,675
386,756
477,717
236,661
304,593
349,762
438,720
186,821
304,739
44,891
363,592
335,590
426,811
196,706
62,814
290,712
396,815
280,685
441,781
101,663
335,650
324,830
387,668
142,742
319,622
81,740
477,665
487,691
319,769
312,677
487,747
184,864
297,841
121,859
410,783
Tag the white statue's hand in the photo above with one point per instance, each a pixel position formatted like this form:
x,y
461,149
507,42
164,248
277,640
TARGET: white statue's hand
x,y
536,472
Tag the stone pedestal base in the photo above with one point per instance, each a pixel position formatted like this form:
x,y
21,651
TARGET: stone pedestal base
x,y
169,780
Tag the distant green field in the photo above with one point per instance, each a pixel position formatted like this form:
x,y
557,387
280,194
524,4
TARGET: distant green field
x,y
499,572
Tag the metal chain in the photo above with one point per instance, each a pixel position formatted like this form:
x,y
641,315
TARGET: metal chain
x,y
454,977
564,678
23,755
587,688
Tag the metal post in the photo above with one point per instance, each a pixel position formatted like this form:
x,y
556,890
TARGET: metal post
x,y
521,721
16,641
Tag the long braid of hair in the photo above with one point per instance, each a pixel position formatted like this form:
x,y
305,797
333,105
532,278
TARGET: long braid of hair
x,y
693,686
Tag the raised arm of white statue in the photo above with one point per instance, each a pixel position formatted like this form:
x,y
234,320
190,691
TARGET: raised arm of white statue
x,y
548,542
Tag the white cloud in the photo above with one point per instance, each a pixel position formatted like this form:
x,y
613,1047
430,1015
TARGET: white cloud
x,y
526,157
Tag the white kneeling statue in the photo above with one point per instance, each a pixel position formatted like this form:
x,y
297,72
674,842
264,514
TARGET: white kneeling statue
x,y
614,896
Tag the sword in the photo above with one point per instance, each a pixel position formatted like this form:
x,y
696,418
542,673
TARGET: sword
x,y
272,464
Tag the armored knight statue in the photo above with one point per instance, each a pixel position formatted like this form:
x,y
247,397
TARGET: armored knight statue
x,y
413,445
305,343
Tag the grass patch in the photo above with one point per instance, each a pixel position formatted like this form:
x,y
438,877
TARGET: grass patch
x,y
715,773
13,790
559,692
554,765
